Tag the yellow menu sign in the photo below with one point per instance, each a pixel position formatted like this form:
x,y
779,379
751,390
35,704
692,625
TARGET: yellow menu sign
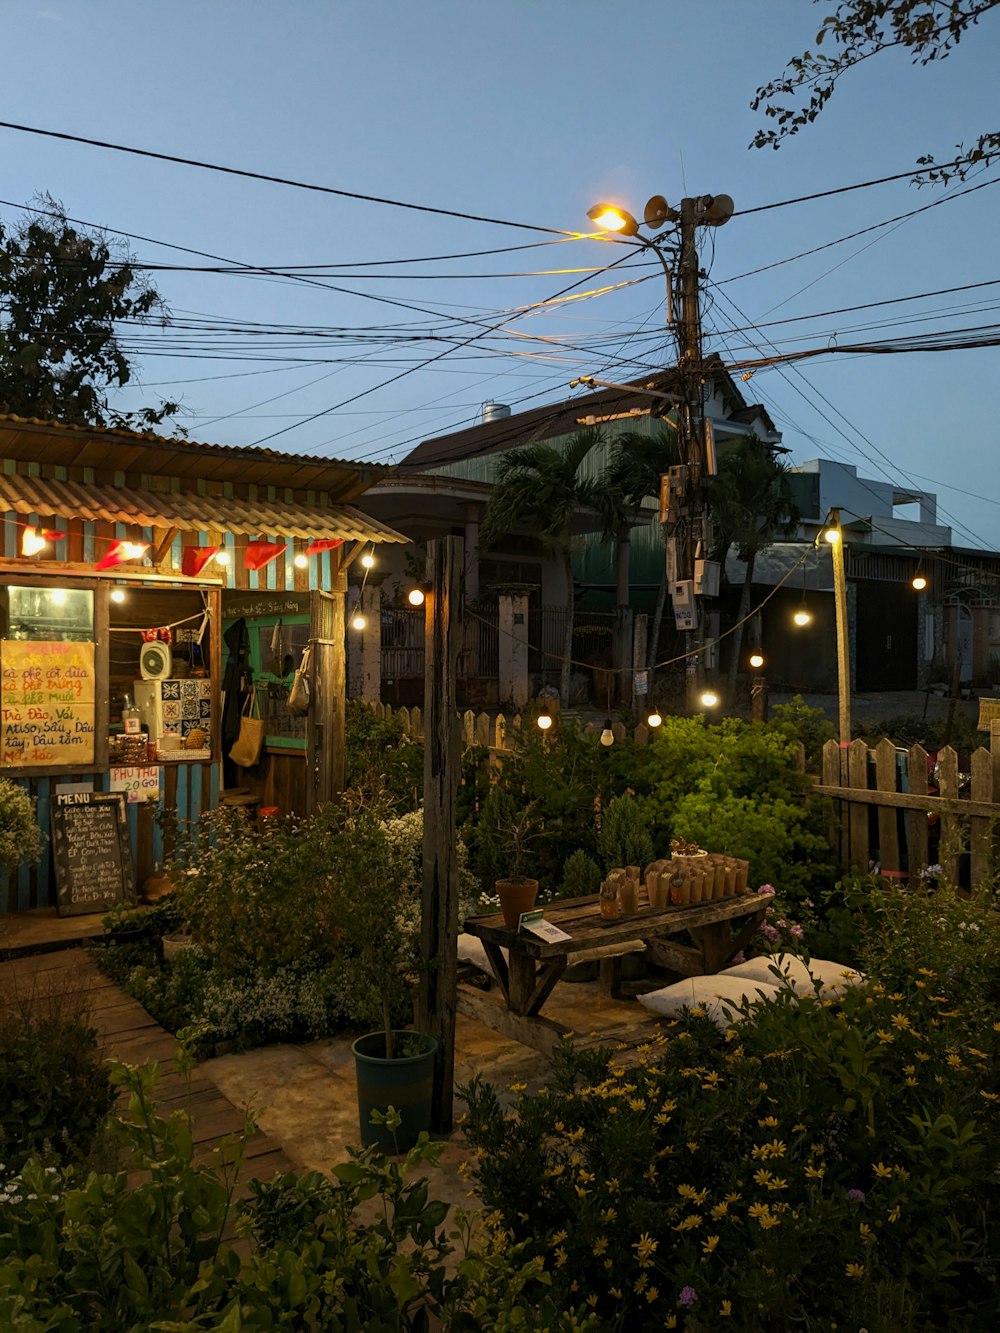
x,y
46,702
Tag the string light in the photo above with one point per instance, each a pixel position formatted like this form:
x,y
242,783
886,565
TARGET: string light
x,y
368,559
919,582
544,718
222,558
415,596
32,542
709,699
358,621
607,735
802,616
832,535
118,594
756,660
654,720
301,561
58,596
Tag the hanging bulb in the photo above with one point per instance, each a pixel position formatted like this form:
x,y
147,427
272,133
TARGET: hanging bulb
x,y
134,550
118,594
368,559
415,596
802,616
654,720
832,535
756,660
607,735
32,541
544,718
358,622
709,699
58,596
301,561
919,582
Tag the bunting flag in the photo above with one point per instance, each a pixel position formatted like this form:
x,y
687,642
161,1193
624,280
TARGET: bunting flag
x,y
35,539
259,554
121,551
195,558
323,544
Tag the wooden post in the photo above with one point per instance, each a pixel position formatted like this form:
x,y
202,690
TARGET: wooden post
x,y
843,640
326,716
442,758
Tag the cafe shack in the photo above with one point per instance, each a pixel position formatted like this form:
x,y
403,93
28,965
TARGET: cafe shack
x,y
153,592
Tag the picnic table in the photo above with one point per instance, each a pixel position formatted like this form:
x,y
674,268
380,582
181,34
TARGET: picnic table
x,y
532,966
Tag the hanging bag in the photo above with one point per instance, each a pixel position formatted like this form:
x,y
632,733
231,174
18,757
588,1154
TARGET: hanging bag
x,y
299,694
247,745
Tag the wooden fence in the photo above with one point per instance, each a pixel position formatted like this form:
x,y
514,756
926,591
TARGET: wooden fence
x,y
893,808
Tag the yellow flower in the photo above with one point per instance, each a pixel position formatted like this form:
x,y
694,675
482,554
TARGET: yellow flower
x,y
866,1234
645,1247
910,1082
560,1257
768,1222
688,1223
651,1295
765,1150
759,1210
585,1177
725,1309
894,1214
815,1172
955,1062
709,1244
613,1185
990,1096
554,1172
575,1135
600,1245
762,1177
592,1300
558,1238
671,1321
609,1215
609,1264
769,1122
640,1282
581,1193
886,1038
719,1211
799,1128
616,1292
637,1104
661,1119
692,1146
519,1087
900,1021
855,1270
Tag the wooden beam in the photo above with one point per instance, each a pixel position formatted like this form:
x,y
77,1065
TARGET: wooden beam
x,y
956,806
442,765
164,546
489,1009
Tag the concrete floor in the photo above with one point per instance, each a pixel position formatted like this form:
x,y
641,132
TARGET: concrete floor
x,y
304,1096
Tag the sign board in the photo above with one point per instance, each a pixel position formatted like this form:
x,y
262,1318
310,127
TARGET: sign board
x,y
989,712
46,702
91,852
640,682
138,784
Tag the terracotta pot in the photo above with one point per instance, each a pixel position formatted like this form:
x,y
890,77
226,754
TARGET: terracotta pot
x,y
516,896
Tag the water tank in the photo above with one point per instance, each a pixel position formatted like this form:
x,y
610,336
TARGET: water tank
x,y
495,411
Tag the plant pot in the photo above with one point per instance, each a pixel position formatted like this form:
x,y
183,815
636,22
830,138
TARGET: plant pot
x,y
516,896
174,944
405,1082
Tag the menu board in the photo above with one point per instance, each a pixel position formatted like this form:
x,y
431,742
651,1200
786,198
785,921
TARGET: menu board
x,y
46,702
91,852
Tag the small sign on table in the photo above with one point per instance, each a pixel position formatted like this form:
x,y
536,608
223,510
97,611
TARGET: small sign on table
x,y
535,923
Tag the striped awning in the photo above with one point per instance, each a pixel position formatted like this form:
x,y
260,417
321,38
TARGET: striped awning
x,y
189,512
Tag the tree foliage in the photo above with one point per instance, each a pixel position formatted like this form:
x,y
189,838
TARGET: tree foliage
x,y
858,30
64,296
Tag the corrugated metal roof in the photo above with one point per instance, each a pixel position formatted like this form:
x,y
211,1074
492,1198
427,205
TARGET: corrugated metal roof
x,y
189,512
63,444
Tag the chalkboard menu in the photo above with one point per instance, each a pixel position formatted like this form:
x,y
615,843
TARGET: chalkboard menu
x,y
91,852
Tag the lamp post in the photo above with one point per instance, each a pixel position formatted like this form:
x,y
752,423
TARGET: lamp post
x,y
834,535
690,530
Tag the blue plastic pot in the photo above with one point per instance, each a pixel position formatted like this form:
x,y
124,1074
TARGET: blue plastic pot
x,y
406,1083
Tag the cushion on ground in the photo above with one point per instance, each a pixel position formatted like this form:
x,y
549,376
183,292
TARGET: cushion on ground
x,y
802,977
472,951
719,996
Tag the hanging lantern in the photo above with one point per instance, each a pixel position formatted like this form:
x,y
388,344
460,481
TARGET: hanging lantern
x,y
121,551
323,544
195,558
259,554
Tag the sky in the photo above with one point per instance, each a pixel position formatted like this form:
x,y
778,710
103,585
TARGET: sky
x,y
528,112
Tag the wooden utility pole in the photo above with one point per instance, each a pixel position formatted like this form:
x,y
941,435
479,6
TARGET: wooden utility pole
x,y
442,761
843,639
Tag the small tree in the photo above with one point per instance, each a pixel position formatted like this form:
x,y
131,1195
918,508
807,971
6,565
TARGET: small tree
x,y
20,836
63,294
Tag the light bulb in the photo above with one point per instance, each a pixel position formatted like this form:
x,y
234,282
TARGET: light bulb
x,y
368,560
607,735
58,596
832,535
544,719
415,596
919,582
358,622
222,557
802,616
709,699
118,594
32,542
756,660
654,720
134,550
301,561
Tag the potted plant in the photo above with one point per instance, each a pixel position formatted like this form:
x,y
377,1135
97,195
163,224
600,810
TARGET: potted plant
x,y
507,833
20,836
380,955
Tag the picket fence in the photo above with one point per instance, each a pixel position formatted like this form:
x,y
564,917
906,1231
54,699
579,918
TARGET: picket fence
x,y
894,809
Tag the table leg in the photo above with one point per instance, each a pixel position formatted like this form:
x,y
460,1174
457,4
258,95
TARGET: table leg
x,y
718,945
522,982
610,978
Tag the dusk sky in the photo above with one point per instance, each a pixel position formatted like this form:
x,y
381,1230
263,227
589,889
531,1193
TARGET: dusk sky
x,y
528,113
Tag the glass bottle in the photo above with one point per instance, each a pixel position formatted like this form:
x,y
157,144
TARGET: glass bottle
x,y
131,718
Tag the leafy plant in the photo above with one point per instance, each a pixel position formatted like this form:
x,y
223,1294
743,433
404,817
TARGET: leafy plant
x,y
581,876
20,836
624,839
507,835
382,763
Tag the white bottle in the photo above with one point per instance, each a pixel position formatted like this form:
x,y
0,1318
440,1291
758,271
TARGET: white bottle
x,y
131,718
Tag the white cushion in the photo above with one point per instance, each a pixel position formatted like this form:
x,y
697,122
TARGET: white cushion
x,y
719,996
471,950
830,979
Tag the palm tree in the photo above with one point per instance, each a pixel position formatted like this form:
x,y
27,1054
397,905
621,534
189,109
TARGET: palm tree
x,y
751,504
633,473
539,489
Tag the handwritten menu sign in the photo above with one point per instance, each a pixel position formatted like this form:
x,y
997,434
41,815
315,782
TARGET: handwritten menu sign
x,y
91,852
138,784
46,702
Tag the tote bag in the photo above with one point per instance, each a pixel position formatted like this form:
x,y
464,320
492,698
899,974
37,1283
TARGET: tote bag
x,y
298,696
247,745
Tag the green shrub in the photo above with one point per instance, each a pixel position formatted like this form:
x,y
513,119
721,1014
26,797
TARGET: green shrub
x,y
796,721
581,876
144,1250
54,1089
624,839
382,763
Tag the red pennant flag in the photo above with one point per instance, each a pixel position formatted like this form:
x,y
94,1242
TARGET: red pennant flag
x,y
323,544
259,554
51,535
195,558
119,552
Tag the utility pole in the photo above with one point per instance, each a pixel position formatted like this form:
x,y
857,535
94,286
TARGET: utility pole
x,y
843,642
691,433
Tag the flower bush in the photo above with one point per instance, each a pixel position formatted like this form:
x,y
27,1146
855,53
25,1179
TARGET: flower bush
x,y
817,1165
20,836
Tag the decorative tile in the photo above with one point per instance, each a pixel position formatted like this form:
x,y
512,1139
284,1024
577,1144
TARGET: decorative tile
x,y
170,689
171,710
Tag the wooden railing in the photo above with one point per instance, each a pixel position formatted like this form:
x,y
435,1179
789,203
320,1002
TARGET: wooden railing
x,y
885,796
